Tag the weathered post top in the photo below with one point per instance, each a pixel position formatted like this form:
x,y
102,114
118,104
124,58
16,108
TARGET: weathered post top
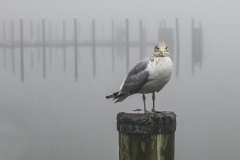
x,y
149,123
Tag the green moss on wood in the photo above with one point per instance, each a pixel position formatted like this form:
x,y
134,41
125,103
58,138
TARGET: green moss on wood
x,y
146,147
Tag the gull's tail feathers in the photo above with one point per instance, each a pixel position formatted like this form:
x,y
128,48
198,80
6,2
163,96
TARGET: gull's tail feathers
x,y
118,96
112,95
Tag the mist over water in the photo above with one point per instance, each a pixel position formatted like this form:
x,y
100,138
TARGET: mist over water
x,y
60,117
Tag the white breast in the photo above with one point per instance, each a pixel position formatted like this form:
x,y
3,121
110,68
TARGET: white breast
x,y
160,70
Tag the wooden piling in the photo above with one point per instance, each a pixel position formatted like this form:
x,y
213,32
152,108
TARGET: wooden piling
x,y
32,41
113,45
193,46
103,39
164,23
21,50
56,35
160,26
64,45
127,44
177,45
44,48
79,35
201,44
12,39
94,47
50,42
76,47
144,41
4,42
148,136
38,35
31,32
141,39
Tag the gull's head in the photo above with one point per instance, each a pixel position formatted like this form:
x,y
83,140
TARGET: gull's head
x,y
161,50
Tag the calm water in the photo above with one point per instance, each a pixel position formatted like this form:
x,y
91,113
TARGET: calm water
x,y
61,118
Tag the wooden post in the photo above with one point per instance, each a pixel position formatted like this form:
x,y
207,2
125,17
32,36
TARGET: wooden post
x,y
50,43
31,41
141,39
193,46
56,41
44,48
76,47
148,136
160,26
127,44
201,44
113,45
177,39
144,41
4,44
64,46
103,47
79,35
79,29
12,38
94,47
38,33
21,50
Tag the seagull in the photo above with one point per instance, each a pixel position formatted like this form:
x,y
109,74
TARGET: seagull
x,y
148,76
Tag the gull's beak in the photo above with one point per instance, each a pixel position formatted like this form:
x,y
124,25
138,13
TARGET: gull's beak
x,y
162,52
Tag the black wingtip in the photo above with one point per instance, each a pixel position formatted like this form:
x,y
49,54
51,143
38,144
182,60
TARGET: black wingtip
x,y
110,96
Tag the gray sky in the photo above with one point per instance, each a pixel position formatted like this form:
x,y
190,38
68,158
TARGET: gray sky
x,y
204,9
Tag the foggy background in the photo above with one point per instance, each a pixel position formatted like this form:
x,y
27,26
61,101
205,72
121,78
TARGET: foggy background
x,y
61,118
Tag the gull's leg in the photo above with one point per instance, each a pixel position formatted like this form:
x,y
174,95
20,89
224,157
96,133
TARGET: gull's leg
x,y
153,99
144,98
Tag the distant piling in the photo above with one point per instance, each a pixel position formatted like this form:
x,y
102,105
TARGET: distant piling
x,y
79,35
56,38
32,41
12,47
148,136
118,42
4,42
21,50
141,39
201,44
160,26
127,44
94,47
44,48
50,42
64,45
177,45
113,46
76,48
38,38
193,46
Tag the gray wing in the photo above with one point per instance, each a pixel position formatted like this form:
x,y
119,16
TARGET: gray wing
x,y
136,78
